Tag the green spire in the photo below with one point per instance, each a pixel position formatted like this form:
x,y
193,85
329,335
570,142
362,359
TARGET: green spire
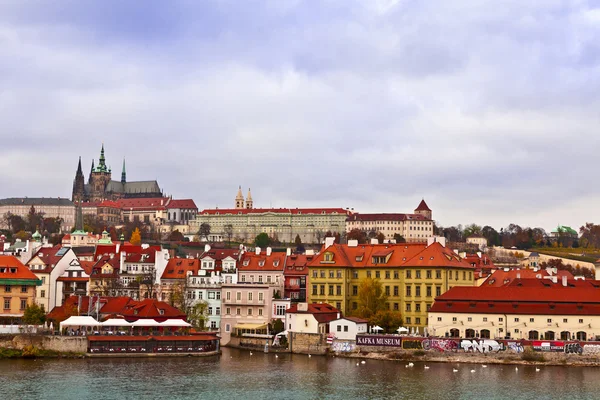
x,y
102,161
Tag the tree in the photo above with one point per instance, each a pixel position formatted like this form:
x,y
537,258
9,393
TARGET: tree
x,y
262,240
590,235
277,326
389,320
22,235
34,315
399,238
175,236
492,236
52,225
380,237
198,315
148,281
228,229
471,230
357,234
136,237
371,298
35,220
204,231
319,236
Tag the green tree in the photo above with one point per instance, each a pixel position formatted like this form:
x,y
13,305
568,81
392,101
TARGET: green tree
x,y
357,234
298,241
380,237
228,230
371,298
35,220
34,315
198,315
262,240
389,320
277,326
204,231
472,229
399,238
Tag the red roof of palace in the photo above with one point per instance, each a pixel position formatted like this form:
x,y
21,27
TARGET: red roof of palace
x,y
503,278
13,263
107,249
261,262
386,217
182,203
110,204
422,206
177,268
144,203
296,211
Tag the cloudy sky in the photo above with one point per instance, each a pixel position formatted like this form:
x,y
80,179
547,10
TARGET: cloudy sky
x,y
487,109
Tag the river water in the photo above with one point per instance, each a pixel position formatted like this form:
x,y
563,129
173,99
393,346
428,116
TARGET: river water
x,y
237,374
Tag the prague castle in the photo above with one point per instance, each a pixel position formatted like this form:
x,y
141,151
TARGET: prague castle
x,y
101,186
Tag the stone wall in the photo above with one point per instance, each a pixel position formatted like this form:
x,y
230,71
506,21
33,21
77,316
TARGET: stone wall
x,y
308,343
63,344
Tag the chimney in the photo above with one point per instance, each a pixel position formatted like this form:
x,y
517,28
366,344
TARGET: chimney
x,y
288,252
597,268
354,243
549,270
564,280
207,247
302,306
479,254
374,241
269,251
329,241
554,279
393,241
518,275
462,254
339,315
456,251
118,247
310,252
257,250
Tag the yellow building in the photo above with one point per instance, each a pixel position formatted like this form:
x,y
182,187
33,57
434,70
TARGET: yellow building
x,y
17,289
412,275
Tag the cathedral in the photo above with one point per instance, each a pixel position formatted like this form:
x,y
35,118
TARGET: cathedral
x,y
102,187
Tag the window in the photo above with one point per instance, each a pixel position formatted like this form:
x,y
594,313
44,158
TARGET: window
x,y
549,320
315,273
339,328
387,290
439,319
464,275
227,328
339,274
227,296
377,275
428,274
338,305
565,320
7,288
408,307
500,319
453,319
238,296
250,295
516,319
517,330
211,295
408,291
42,293
438,291
331,274
260,296
438,274
314,291
354,305
470,319
387,274
322,274
428,291
331,290
418,274
355,274
260,312
418,320
213,324
260,279
228,311
368,274
418,307
531,319
249,311
408,274
396,275
418,291
238,311
395,290
407,320
345,328
210,311
581,321
428,307
7,304
484,319
396,307
322,290
338,290
23,304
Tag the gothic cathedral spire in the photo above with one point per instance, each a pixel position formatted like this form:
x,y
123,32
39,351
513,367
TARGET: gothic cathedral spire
x,y
123,174
78,184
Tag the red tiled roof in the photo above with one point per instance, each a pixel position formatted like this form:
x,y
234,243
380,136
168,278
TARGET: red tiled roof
x,y
297,264
235,211
422,206
502,278
107,249
262,262
386,217
48,256
110,204
436,255
13,263
87,266
357,320
182,203
321,311
146,256
177,268
141,204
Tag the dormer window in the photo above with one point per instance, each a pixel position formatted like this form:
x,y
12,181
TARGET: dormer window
x,y
246,263
328,257
276,263
261,263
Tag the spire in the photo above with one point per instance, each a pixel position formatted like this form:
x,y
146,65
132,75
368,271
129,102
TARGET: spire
x,y
239,199
123,173
249,202
79,170
102,161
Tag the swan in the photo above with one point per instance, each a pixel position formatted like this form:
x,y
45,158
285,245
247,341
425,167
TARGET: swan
x,y
472,370
426,367
363,362
454,370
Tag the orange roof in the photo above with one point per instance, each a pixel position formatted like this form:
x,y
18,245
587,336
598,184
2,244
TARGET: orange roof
x,y
436,255
12,268
262,262
178,268
87,266
48,255
322,312
297,264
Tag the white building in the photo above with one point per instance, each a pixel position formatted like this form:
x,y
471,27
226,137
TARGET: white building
x,y
310,318
348,327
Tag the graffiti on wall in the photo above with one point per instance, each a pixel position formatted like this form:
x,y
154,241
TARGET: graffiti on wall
x,y
514,346
343,347
440,344
481,345
412,344
549,345
573,348
592,349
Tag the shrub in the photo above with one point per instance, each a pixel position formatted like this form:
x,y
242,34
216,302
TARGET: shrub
x,y
530,355
419,353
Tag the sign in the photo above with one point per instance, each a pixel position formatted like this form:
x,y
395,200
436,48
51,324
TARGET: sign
x,y
388,341
548,345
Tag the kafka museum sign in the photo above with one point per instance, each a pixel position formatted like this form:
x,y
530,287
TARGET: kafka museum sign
x,y
378,341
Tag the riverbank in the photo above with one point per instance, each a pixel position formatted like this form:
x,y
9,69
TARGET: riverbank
x,y
34,352
500,358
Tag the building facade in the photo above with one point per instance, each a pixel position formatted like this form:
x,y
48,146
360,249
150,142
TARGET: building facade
x,y
417,227
17,289
412,275
50,207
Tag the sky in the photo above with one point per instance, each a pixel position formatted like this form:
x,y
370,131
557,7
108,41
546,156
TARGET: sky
x,y
489,110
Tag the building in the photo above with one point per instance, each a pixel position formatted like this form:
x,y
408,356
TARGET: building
x,y
412,275
48,264
74,281
50,207
478,240
181,212
347,328
295,275
417,227
109,212
244,222
102,187
541,307
17,289
310,318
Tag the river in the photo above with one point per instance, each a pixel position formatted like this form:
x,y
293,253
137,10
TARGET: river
x,y
237,374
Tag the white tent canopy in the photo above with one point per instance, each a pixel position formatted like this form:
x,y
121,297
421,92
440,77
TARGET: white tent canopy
x,y
146,322
79,321
116,322
402,330
175,322
377,328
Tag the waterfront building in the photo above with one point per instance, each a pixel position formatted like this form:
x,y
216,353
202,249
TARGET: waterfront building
x,y
412,275
74,281
101,186
346,328
295,275
48,264
416,227
310,317
50,207
518,307
17,289
244,222
104,279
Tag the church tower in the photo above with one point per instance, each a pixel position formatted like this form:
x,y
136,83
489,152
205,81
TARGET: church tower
x,y
239,199
249,202
78,184
424,210
100,179
123,173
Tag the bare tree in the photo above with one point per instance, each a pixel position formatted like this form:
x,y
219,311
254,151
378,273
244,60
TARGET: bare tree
x,y
147,280
228,229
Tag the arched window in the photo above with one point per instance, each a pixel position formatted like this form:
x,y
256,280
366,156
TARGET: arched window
x,y
485,334
549,335
470,333
534,335
454,332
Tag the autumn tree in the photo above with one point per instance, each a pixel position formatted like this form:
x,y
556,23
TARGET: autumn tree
x,y
590,235
136,237
34,315
204,231
52,225
371,298
389,320
197,315
472,229
176,236
357,234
